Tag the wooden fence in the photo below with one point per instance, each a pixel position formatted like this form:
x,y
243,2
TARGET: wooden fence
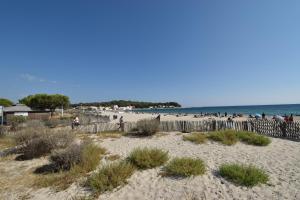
x,y
265,127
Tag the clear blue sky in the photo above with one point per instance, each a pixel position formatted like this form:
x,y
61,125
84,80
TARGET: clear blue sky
x,y
199,53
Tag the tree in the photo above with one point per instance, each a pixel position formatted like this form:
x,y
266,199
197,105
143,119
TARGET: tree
x,y
5,102
45,101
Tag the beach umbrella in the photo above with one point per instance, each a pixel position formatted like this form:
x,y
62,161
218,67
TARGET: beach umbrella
x,y
279,118
258,115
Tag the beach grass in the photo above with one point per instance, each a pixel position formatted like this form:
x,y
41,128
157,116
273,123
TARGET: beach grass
x,y
245,175
110,134
148,158
253,138
227,137
198,138
7,142
147,127
90,159
184,167
110,177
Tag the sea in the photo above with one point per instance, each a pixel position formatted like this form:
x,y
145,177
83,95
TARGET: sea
x,y
284,109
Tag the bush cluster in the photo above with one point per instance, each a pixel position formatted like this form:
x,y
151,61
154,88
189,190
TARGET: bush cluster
x,y
147,127
15,121
86,155
147,158
56,122
41,141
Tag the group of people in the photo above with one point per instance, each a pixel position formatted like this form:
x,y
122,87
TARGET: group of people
x,y
288,118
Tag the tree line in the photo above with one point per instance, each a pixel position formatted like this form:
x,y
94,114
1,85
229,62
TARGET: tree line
x,y
53,101
124,103
41,102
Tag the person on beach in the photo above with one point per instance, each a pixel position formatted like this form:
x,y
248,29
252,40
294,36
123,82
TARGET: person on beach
x,y
121,124
75,122
158,118
286,118
291,119
263,115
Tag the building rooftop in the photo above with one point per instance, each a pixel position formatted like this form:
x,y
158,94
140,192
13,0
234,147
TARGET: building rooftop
x,y
17,108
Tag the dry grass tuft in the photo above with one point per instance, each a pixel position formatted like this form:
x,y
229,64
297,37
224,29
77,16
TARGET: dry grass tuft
x,y
79,160
147,127
184,167
148,158
198,138
253,138
227,137
7,142
110,134
113,157
243,175
110,177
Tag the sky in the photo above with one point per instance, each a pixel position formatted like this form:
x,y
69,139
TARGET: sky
x,y
198,53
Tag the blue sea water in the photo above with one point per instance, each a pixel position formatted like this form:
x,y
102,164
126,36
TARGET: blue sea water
x,y
247,110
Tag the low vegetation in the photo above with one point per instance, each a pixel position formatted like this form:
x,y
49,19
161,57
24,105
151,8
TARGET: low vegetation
x,y
147,158
86,155
184,167
243,175
253,138
110,134
110,177
227,137
41,141
198,138
75,161
124,103
147,127
113,157
58,122
15,121
6,142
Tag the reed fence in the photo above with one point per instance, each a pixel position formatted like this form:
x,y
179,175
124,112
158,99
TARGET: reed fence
x,y
265,127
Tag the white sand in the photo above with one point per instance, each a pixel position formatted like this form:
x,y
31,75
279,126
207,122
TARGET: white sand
x,y
132,117
280,159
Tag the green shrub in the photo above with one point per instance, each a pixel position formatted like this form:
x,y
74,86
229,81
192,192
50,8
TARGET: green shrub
x,y
227,137
110,177
198,138
243,175
253,138
75,161
185,167
3,131
15,121
147,127
148,158
57,122
40,142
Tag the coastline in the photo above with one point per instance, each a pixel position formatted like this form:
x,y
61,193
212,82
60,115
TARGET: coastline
x,y
135,116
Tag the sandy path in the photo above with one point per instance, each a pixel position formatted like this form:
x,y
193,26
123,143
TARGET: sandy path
x,y
280,159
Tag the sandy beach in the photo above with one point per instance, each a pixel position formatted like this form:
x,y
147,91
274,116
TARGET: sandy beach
x,y
133,117
280,160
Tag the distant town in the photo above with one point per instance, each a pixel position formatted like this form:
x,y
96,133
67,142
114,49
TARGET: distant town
x,y
124,105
